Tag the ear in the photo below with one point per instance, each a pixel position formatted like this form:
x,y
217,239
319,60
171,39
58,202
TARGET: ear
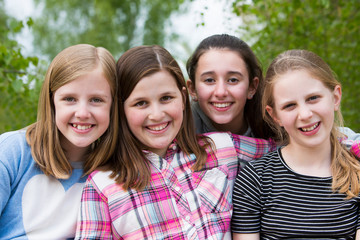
x,y
192,91
184,93
272,114
253,87
337,97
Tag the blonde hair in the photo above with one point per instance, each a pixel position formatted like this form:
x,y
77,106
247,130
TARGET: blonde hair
x,y
43,135
344,166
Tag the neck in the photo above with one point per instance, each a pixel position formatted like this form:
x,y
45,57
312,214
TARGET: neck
x,y
309,161
239,127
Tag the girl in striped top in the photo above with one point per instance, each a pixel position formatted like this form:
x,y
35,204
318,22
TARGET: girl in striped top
x,y
308,189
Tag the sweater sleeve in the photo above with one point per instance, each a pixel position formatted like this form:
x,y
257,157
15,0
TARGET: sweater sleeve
x,y
94,221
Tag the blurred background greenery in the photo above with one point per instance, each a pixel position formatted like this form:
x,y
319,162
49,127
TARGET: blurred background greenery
x,y
330,28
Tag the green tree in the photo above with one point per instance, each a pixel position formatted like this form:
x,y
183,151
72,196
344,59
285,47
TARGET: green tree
x,y
18,85
113,24
329,28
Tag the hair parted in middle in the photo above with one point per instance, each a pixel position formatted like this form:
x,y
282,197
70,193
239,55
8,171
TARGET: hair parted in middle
x,y
43,135
129,165
252,109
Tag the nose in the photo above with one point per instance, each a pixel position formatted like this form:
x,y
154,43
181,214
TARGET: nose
x,y
82,111
156,112
220,89
305,112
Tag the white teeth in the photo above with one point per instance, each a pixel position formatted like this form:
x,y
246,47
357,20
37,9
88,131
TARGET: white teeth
x,y
221,105
310,128
159,128
81,127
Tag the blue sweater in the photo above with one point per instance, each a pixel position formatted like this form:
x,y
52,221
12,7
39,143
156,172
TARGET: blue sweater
x,y
33,205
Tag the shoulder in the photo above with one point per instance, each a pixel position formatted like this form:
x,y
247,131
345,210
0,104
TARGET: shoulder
x,y
101,180
13,138
270,162
220,139
14,148
349,133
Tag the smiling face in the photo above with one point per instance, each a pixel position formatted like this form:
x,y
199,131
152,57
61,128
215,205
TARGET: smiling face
x,y
154,111
304,107
222,88
82,110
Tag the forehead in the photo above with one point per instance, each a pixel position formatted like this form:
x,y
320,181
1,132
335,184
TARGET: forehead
x,y
155,83
221,59
297,83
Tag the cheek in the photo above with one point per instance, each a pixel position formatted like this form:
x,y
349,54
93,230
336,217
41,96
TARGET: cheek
x,y
177,112
204,92
133,118
240,92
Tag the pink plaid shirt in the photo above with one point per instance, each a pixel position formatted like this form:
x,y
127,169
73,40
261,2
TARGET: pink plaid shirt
x,y
177,203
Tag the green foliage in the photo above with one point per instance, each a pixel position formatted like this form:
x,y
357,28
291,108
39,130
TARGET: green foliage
x,y
18,86
329,28
115,25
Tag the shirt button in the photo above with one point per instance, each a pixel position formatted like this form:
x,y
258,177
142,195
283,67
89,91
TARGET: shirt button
x,y
177,189
187,218
174,147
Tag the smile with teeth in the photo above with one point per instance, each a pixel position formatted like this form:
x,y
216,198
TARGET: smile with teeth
x,y
308,129
81,127
221,105
158,127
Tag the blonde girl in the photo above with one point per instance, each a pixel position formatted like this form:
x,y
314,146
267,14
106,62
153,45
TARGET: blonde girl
x,y
43,167
310,187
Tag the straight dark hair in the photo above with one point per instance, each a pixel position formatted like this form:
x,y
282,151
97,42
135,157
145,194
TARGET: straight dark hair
x,y
252,110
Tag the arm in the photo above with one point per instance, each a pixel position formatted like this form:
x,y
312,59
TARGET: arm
x,y
246,236
249,148
350,133
247,207
357,237
94,221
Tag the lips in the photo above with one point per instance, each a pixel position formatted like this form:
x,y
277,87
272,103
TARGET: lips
x,y
158,127
221,105
81,127
311,128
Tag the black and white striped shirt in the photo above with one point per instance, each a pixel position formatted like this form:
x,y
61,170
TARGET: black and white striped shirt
x,y
272,199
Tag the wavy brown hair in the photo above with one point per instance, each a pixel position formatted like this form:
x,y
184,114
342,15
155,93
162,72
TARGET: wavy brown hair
x,y
130,166
344,166
43,135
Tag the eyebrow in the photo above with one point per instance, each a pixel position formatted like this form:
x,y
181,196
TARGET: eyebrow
x,y
229,72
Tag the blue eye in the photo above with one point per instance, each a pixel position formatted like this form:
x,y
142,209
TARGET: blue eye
x,y
69,99
312,98
289,106
96,100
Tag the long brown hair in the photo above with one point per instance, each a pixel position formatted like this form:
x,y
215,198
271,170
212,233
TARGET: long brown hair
x,y
43,135
252,109
130,166
345,167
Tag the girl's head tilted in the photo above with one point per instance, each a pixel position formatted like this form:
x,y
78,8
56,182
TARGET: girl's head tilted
x,y
154,111
225,78
301,94
77,105
154,98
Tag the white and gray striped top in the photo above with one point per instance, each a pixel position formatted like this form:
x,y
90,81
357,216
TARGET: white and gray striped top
x,y
272,199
